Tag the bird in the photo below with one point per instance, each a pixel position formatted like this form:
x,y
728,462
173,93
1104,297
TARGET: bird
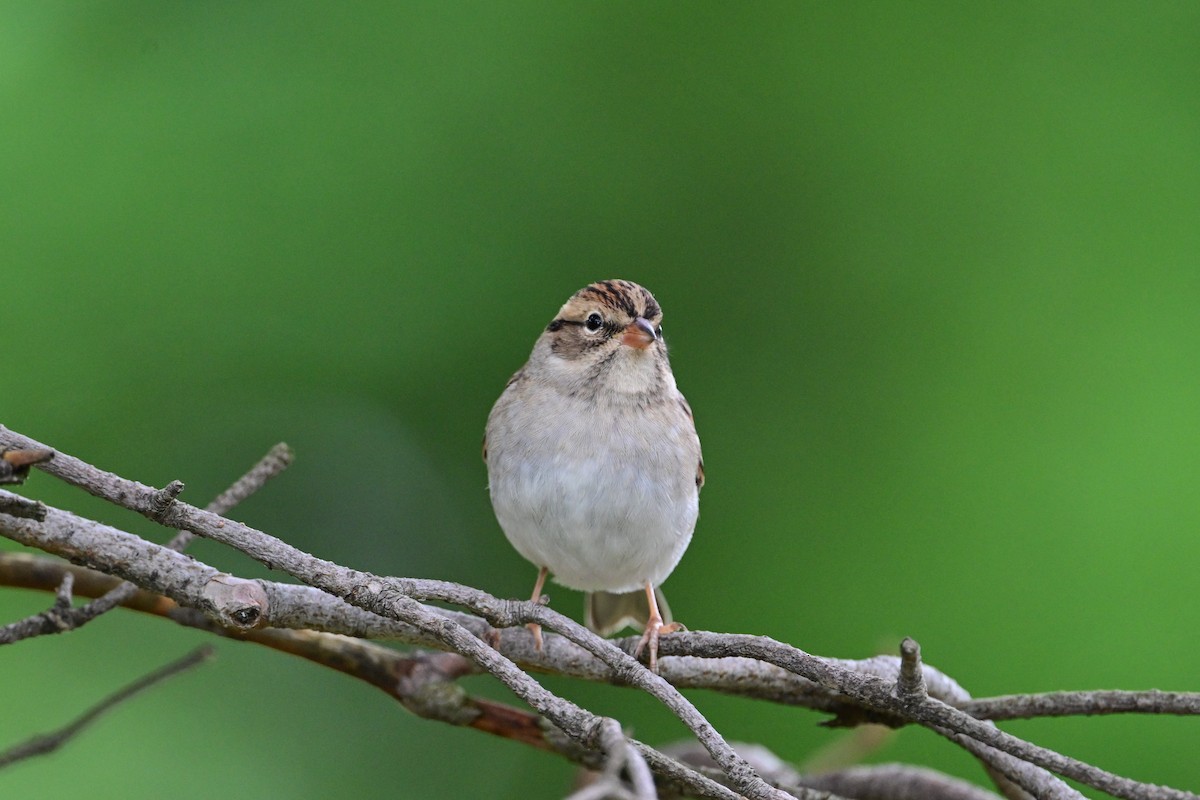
x,y
593,460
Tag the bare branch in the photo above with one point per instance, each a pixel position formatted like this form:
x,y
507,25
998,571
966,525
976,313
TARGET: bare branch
x,y
1012,776
398,599
1015,778
63,617
876,693
1066,704
879,782
48,743
610,783
53,620
896,782
16,506
185,579
412,679
302,607
887,690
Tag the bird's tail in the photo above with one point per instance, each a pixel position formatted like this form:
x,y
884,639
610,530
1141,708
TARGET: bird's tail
x,y
606,613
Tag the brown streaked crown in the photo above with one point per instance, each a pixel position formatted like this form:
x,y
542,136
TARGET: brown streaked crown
x,y
624,296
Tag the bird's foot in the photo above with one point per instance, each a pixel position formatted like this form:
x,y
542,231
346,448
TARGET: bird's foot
x,y
654,629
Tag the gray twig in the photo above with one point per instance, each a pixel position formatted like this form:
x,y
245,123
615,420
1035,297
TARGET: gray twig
x,y
1016,778
620,757
878,782
895,782
16,506
49,742
1084,703
53,620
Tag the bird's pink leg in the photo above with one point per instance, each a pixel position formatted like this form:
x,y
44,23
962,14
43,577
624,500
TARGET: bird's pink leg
x,y
654,627
534,628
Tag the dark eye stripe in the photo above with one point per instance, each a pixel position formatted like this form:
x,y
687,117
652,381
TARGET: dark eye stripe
x,y
607,326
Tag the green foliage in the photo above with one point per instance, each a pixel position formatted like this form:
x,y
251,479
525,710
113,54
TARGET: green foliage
x,y
930,280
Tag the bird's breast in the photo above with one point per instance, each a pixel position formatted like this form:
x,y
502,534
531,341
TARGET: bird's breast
x,y
603,495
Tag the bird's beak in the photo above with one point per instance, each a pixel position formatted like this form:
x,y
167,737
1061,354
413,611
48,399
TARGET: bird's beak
x,y
639,335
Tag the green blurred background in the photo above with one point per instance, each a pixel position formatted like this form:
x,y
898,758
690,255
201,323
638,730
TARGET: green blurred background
x,y
930,274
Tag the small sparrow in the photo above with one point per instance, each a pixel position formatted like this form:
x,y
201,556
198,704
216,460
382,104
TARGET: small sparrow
x,y
593,461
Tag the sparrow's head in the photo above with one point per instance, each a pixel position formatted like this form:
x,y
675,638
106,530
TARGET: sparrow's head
x,y
610,332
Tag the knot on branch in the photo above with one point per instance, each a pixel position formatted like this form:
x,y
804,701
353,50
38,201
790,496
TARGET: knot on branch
x,y
910,683
159,504
235,602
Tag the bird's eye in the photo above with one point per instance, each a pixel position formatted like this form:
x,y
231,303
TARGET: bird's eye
x,y
594,322
658,331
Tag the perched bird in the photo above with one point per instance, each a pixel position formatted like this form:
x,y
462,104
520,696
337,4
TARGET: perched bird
x,y
593,461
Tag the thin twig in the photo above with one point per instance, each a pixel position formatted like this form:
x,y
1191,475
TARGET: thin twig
x,y
49,742
53,620
878,782
896,782
1085,703
1011,775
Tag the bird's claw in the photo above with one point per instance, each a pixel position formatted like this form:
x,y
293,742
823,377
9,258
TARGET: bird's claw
x,y
654,629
